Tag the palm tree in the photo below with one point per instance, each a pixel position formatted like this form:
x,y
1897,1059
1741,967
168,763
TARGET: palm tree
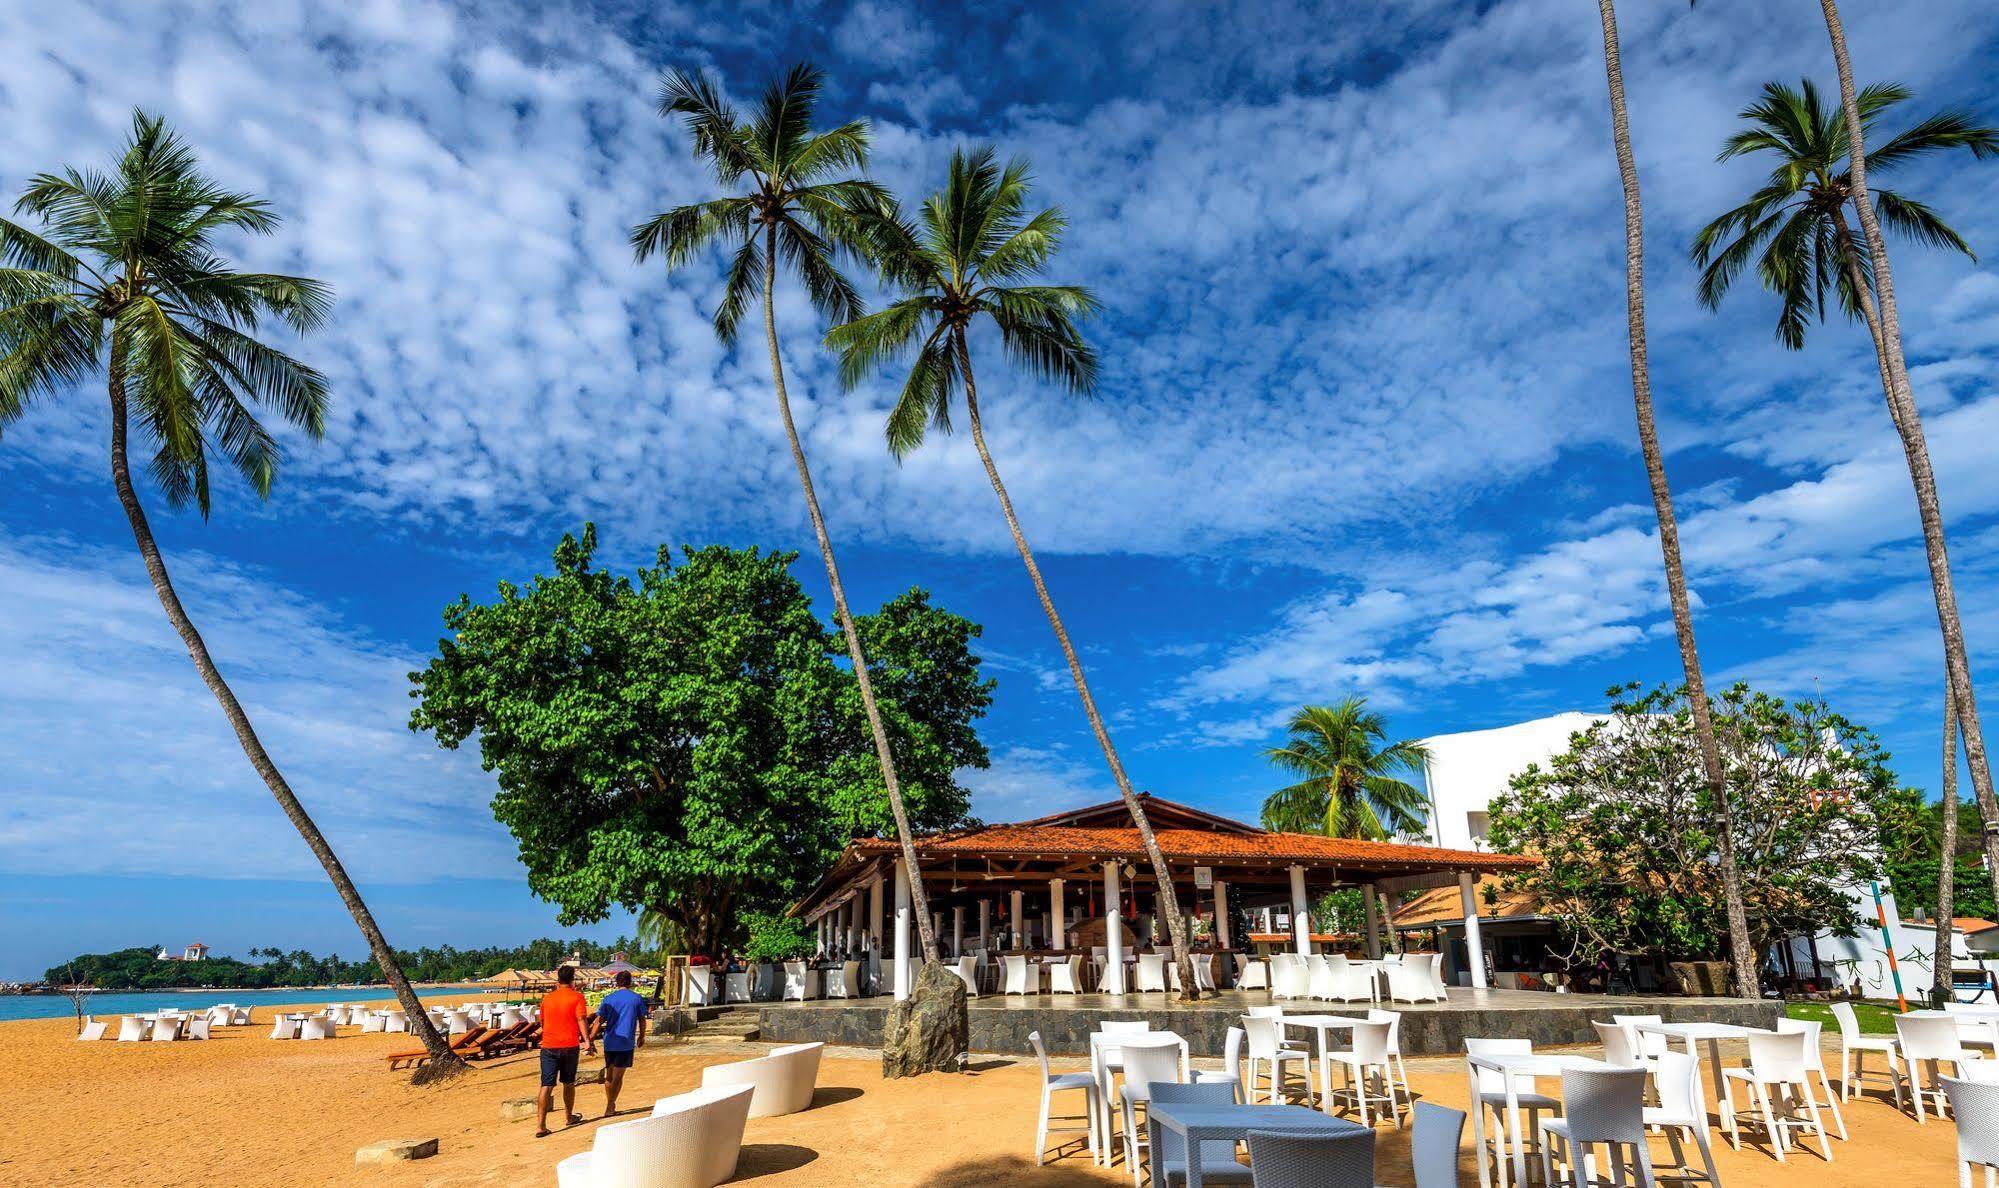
x,y
1347,786
970,259
1742,950
794,209
1940,992
1795,227
123,269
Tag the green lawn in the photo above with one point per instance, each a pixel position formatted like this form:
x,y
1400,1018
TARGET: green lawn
x,y
1874,1019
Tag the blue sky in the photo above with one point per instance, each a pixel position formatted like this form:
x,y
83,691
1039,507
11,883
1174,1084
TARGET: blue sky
x,y
1365,428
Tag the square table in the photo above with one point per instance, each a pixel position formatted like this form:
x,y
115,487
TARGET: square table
x,y
1510,1065
1196,1123
1710,1034
1321,1024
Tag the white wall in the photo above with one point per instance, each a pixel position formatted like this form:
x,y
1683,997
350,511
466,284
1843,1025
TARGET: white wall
x,y
1468,770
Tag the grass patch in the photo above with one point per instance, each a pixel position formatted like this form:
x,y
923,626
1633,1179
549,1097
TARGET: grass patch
x,y
1874,1019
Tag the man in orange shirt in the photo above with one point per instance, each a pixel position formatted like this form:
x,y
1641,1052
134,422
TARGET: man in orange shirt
x,y
563,1030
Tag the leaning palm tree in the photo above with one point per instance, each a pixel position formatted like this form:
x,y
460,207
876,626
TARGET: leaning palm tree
x,y
1347,784
971,258
1742,950
1940,990
794,208
122,273
1795,228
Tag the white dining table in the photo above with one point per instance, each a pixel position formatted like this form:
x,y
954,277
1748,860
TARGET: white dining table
x,y
1711,1034
1511,1065
1105,1064
1324,1025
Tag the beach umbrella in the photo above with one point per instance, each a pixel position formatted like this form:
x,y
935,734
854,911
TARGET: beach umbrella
x,y
618,967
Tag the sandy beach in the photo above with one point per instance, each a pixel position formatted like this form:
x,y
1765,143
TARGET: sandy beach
x,y
244,1109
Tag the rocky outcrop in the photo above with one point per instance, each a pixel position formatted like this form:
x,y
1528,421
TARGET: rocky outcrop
x,y
928,1032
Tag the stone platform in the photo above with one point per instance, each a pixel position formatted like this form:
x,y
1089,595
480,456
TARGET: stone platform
x,y
1001,1024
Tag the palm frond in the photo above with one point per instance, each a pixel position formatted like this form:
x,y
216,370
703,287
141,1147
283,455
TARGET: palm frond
x,y
746,278
709,120
1939,133
876,339
782,127
265,375
1300,808
1026,251
1051,347
926,395
841,148
680,233
829,290
1917,221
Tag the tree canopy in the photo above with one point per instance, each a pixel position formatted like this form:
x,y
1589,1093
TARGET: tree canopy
x,y
1627,826
683,739
1348,785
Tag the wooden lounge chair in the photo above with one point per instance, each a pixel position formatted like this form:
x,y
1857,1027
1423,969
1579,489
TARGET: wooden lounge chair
x,y
459,1047
501,1041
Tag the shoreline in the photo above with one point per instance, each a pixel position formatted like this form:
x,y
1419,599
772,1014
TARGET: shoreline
x,y
481,987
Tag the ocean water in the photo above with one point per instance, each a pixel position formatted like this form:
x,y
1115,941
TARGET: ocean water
x,y
57,1006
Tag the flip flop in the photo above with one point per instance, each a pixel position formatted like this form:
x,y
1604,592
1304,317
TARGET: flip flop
x,y
541,1134
575,1119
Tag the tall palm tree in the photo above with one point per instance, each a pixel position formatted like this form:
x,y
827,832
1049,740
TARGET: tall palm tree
x,y
794,208
1795,227
1346,768
1940,992
123,271
1742,951
971,258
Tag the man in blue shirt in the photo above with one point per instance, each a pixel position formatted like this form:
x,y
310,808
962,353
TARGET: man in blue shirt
x,y
624,1015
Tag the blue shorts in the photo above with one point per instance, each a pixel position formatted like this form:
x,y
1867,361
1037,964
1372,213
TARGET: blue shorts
x,y
613,1058
558,1064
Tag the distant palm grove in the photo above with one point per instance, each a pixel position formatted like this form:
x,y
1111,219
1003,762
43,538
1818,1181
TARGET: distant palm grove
x,y
142,969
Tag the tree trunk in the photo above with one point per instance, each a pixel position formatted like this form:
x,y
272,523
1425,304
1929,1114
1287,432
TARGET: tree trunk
x,y
442,1063
1908,422
919,901
1947,867
1741,948
1176,925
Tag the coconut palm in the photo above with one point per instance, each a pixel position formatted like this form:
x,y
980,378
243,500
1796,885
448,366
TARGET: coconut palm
x,y
122,273
792,205
1742,949
1795,227
1940,991
1347,775
971,258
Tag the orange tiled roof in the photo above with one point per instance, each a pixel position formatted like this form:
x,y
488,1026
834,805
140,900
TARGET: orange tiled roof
x,y
1196,846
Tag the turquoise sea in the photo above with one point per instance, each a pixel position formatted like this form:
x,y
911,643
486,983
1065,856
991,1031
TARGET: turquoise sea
x,y
57,1006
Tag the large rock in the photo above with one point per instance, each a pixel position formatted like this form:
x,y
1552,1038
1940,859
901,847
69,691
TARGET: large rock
x,y
928,1032
517,1109
1703,979
590,1076
394,1151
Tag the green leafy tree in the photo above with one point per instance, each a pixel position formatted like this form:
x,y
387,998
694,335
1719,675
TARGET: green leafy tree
x,y
1348,784
1628,827
1742,955
794,207
682,742
122,272
1795,228
971,258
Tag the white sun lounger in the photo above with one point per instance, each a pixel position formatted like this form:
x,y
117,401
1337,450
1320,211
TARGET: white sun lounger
x,y
784,1079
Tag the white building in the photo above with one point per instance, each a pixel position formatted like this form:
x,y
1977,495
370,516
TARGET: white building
x,y
1467,771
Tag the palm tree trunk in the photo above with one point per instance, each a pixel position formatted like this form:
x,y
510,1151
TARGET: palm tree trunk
x,y
1908,422
1741,949
442,1063
1169,901
919,900
1947,866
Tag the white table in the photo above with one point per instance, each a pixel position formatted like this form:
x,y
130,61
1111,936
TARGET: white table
x,y
1321,1024
1105,1064
1510,1065
1198,1123
1711,1034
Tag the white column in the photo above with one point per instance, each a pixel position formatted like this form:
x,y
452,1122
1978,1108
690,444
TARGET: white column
x,y
1301,928
1058,919
902,923
985,923
1019,918
958,930
1371,913
1221,914
1474,944
1113,980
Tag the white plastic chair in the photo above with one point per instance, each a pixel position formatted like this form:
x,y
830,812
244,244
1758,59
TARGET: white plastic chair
x,y
783,1079
1436,964
1433,1145
1600,1106
1975,1105
1680,1108
1066,977
1266,1047
1927,1043
372,1021
1144,1065
1231,1070
1016,976
1394,1021
698,986
165,1030
1344,980
317,1028
241,1017
967,970
1492,1096
692,1140
1361,1062
1255,976
1053,1083
840,980
1410,982
1617,1046
132,1029
1151,973
1290,976
1777,1061
1204,972
800,983
1649,1045
197,1029
395,1021
1815,1063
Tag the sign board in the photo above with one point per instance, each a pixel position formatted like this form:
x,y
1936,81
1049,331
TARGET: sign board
x,y
1204,877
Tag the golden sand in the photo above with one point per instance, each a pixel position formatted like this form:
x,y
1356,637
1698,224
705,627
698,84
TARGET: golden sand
x,y
242,1109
